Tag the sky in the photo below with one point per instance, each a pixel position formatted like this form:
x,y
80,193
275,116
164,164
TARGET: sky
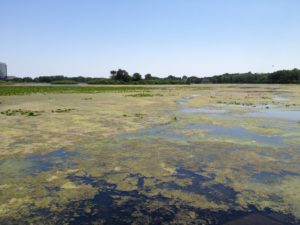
x,y
161,37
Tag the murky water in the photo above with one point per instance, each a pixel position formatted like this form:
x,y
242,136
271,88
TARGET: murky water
x,y
36,163
188,171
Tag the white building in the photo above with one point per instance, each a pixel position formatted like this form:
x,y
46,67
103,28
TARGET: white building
x,y
3,71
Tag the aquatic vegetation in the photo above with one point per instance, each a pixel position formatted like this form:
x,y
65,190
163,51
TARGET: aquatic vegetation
x,y
61,110
26,90
139,115
143,94
236,103
87,98
144,160
14,112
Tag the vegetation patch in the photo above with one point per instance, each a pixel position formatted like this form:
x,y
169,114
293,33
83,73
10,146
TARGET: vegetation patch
x,y
143,94
2,82
61,110
26,90
87,99
64,82
236,103
139,115
15,112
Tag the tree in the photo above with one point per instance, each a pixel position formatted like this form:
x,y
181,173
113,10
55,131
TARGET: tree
x,y
113,74
122,75
148,76
27,79
136,77
171,77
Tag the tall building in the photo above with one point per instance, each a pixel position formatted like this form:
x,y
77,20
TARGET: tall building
x,y
3,71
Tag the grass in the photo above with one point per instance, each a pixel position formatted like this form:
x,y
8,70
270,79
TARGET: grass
x,y
64,82
27,90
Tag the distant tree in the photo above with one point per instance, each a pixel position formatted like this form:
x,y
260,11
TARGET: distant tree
x,y
148,76
194,80
48,79
113,74
280,77
122,75
27,79
171,77
184,78
136,77
285,76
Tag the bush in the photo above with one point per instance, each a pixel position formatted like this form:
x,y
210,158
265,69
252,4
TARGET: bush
x,y
64,82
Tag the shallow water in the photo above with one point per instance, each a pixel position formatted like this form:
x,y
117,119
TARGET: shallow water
x,y
238,133
36,163
203,110
278,98
276,113
186,171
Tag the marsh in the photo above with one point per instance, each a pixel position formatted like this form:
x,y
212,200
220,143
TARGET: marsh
x,y
218,162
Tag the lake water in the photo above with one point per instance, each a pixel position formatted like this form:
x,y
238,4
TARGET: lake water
x,y
191,170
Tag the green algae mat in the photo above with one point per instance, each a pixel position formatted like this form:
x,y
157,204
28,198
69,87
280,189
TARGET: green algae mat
x,y
207,154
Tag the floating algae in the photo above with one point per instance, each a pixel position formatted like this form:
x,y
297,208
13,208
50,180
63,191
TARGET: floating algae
x,y
150,168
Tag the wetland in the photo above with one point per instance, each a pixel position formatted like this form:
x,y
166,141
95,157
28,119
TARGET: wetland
x,y
189,154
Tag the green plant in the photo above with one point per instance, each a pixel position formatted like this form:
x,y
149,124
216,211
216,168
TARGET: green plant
x,y
26,90
14,112
64,82
61,110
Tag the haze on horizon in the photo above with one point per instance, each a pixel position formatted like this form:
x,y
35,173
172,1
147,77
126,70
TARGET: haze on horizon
x,y
178,37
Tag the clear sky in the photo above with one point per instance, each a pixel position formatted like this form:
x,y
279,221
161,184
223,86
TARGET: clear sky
x,y
161,37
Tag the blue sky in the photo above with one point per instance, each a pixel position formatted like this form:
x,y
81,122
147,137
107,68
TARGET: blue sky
x,y
161,37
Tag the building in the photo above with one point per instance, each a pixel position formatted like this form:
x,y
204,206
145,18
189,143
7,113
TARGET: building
x,y
3,71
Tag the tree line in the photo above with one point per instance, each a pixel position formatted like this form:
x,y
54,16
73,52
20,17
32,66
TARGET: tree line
x,y
278,77
123,77
116,77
